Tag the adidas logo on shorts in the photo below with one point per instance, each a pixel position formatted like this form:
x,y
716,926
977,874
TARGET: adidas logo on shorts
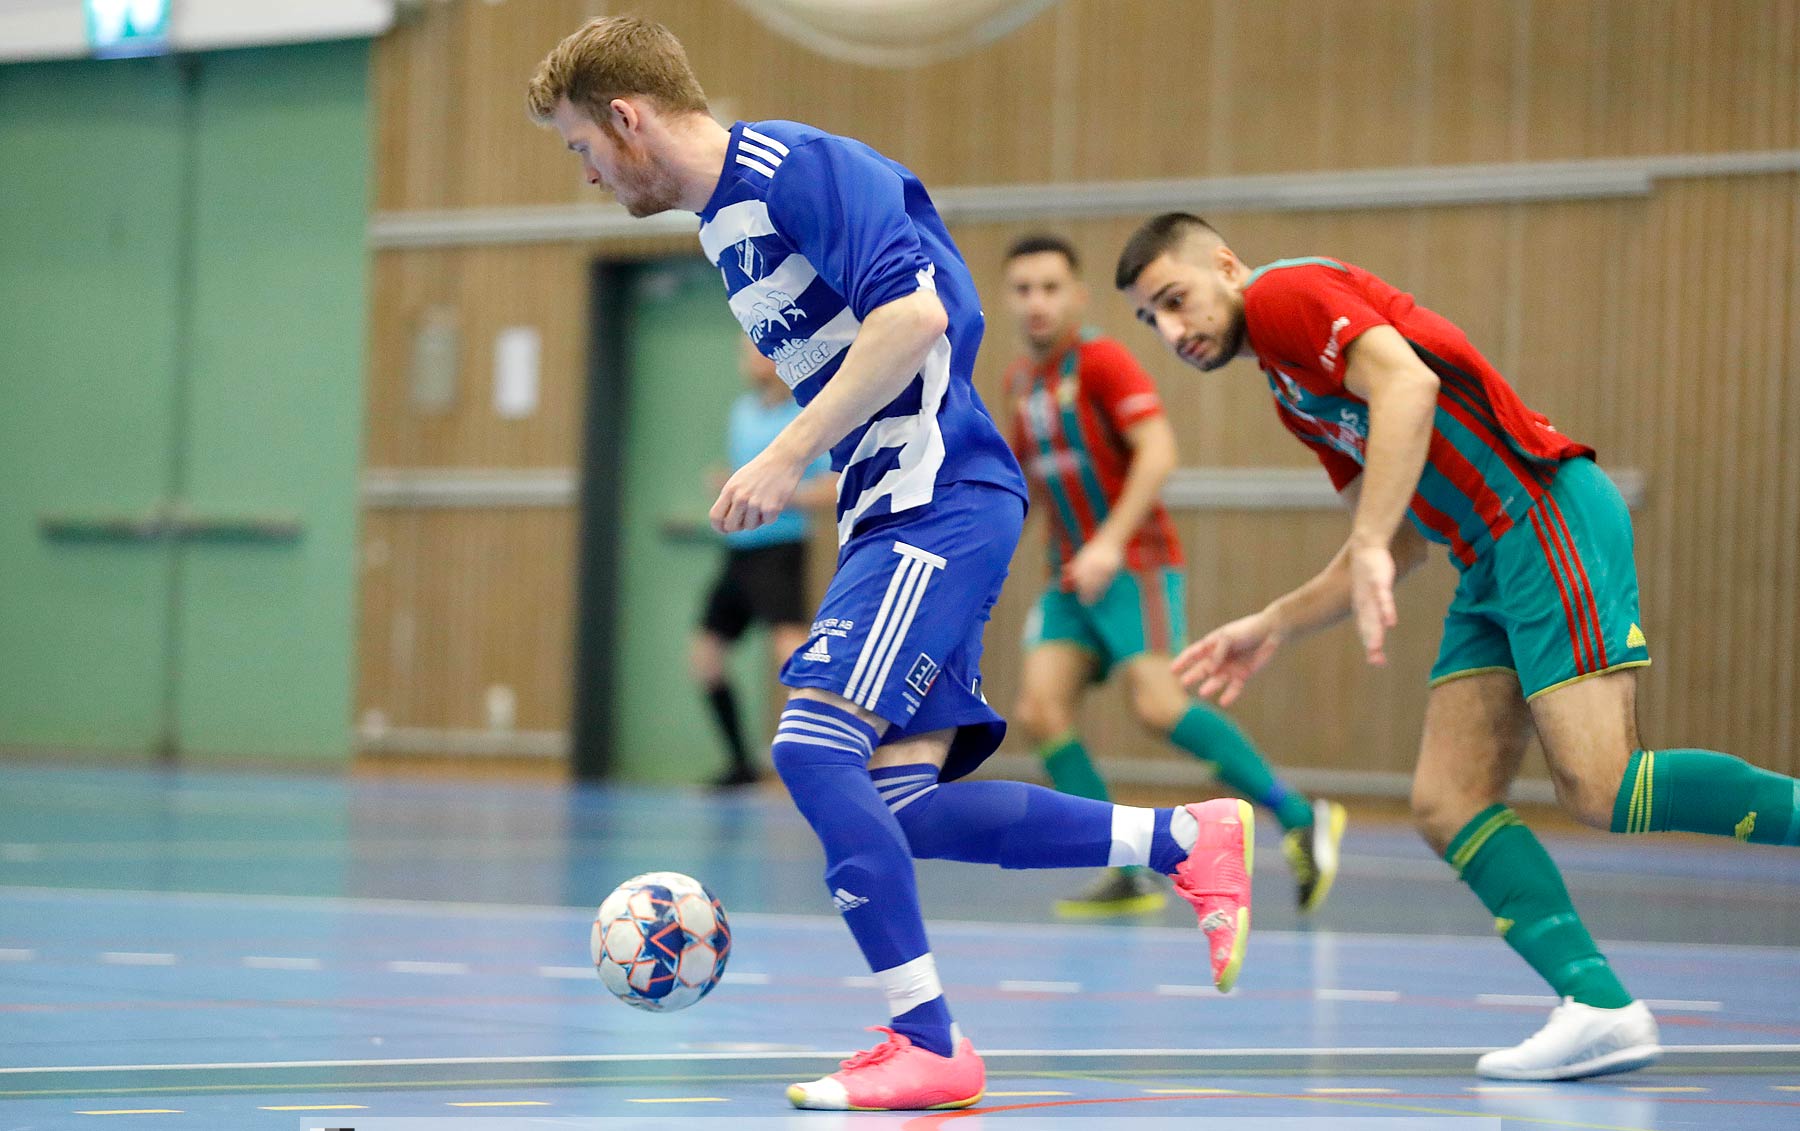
x,y
817,653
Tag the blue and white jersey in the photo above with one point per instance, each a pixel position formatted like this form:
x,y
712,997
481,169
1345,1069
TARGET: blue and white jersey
x,y
811,232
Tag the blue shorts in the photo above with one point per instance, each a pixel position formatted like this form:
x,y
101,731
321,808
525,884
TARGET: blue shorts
x,y
899,632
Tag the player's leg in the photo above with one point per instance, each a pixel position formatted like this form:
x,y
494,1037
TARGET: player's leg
x,y
1052,681
1583,690
726,616
1060,664
1143,620
1476,729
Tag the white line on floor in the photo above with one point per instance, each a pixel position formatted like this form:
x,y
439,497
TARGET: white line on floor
x,y
1016,986
570,972
276,962
1677,1005
16,954
640,1058
776,920
745,978
136,958
1188,991
1357,995
1517,999
429,967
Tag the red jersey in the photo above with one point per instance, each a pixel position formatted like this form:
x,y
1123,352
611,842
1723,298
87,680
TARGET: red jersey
x,y
1070,414
1491,458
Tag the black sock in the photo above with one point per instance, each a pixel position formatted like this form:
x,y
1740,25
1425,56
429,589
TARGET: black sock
x,y
725,713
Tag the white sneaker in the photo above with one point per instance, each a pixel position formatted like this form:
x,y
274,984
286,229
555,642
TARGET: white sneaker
x,y
1579,1040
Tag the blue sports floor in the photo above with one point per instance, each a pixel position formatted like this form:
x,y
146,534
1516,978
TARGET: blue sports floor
x,y
236,951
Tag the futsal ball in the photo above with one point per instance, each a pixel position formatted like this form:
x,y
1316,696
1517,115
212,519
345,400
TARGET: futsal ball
x,y
660,941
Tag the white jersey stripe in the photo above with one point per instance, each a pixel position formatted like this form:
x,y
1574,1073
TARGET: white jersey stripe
x,y
765,139
921,444
867,656
772,297
818,351
912,610
734,224
767,157
754,164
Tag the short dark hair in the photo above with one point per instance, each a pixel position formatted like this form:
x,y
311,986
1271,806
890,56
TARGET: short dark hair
x,y
1039,242
1156,236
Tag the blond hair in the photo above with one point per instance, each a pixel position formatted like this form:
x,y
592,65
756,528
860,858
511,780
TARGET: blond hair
x,y
615,57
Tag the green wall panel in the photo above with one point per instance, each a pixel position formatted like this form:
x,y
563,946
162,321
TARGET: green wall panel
x,y
683,379
276,398
102,272
89,179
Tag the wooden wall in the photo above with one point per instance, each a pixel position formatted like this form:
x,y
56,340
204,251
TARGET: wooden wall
x,y
1665,330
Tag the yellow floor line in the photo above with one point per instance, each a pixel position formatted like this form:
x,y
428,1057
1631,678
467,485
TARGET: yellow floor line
x,y
317,1107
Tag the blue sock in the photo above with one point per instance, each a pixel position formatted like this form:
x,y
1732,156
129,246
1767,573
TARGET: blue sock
x,y
822,755
1016,825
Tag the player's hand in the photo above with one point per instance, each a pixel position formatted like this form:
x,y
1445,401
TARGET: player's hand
x,y
1092,569
1372,598
1222,661
756,493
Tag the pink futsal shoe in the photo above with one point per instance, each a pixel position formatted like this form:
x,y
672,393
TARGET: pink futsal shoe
x,y
1215,878
897,1075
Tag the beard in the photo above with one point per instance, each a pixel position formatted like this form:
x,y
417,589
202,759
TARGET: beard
x,y
642,188
1231,343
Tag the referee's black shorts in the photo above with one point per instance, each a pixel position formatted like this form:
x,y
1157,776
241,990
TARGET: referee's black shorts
x,y
765,584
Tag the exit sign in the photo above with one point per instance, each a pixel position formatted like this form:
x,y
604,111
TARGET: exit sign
x,y
122,28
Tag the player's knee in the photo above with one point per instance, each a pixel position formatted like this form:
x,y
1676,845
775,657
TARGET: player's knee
x,y
1439,813
706,660
1586,795
1040,717
1157,708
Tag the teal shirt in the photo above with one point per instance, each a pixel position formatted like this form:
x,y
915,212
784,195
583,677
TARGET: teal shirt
x,y
753,426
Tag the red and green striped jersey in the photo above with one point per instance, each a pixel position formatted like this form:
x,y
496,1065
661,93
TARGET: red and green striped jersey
x,y
1070,414
1491,458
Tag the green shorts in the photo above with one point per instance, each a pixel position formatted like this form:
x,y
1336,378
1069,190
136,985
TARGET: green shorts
x,y
1138,613
1555,600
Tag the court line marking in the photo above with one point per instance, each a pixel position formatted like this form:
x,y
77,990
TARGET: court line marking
x,y
1329,1091
1189,1092
273,962
746,978
1188,991
1666,1088
137,1111
654,1057
569,972
497,1103
136,958
17,954
1013,985
800,922
405,967
1680,1005
681,1100
316,1107
1022,1095
1356,995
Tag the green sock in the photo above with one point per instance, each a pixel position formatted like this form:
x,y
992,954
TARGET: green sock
x,y
1210,736
1518,883
1071,770
1698,791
